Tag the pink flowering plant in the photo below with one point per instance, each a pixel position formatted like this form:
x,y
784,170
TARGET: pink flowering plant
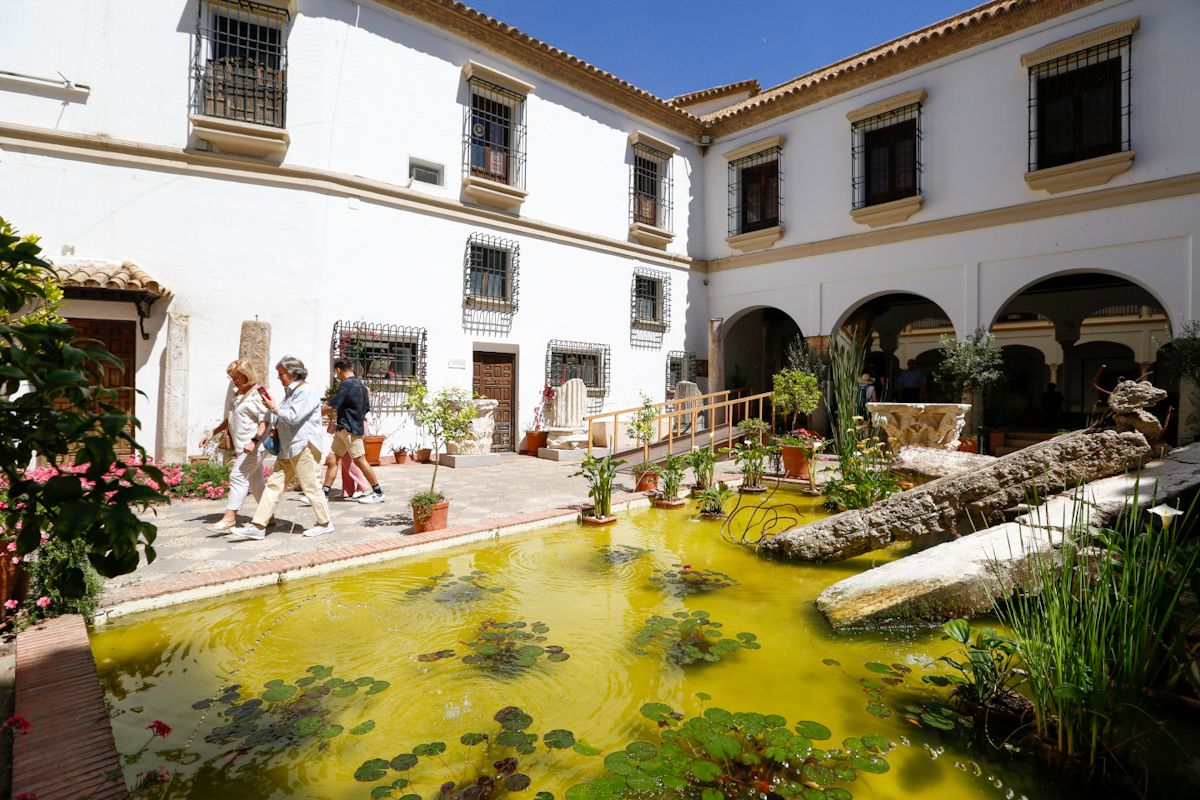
x,y
808,441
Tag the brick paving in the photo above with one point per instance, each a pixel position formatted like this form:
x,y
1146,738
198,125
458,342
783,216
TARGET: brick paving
x,y
69,750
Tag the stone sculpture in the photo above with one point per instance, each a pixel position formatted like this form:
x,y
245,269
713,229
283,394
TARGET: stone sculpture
x,y
935,425
564,417
686,393
482,429
1129,401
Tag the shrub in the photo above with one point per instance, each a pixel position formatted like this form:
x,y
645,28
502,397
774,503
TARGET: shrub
x,y
796,393
46,598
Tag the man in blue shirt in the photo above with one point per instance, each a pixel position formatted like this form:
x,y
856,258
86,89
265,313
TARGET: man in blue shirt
x,y
351,402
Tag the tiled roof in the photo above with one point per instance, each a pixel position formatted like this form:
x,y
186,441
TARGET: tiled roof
x,y
86,273
750,85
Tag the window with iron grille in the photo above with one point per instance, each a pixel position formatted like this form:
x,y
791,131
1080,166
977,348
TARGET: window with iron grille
x,y
681,366
389,359
490,279
755,192
239,62
650,299
886,156
585,360
1079,106
494,134
650,187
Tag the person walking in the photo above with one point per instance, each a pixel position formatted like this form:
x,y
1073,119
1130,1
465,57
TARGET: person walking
x,y
912,382
866,393
351,403
298,428
246,419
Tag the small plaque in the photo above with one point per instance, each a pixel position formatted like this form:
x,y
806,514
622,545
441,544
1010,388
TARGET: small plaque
x,y
701,367
457,363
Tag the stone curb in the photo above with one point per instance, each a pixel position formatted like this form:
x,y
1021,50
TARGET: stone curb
x,y
186,588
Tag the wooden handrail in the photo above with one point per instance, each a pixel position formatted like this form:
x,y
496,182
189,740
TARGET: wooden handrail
x,y
656,405
697,405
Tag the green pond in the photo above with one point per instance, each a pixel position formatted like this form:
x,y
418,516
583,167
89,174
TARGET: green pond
x,y
369,623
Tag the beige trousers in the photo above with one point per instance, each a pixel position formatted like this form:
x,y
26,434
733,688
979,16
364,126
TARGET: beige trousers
x,y
302,468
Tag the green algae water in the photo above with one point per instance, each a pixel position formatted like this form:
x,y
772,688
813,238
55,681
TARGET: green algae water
x,y
372,624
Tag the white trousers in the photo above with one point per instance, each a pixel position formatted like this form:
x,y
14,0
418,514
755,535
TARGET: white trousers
x,y
245,477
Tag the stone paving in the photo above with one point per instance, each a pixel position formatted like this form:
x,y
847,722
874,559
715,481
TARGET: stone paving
x,y
518,485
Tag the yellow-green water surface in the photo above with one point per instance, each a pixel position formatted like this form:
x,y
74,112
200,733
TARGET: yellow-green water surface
x,y
362,623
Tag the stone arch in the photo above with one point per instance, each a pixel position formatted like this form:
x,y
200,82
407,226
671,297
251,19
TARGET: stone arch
x,y
1017,399
754,342
993,314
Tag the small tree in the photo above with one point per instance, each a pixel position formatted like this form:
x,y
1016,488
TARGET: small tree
x,y
445,416
970,364
1183,356
796,392
641,428
801,358
52,405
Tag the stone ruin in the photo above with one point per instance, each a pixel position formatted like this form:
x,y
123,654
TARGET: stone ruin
x,y
936,425
565,429
482,430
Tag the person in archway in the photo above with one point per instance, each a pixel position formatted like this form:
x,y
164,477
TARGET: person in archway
x,y
912,383
866,393
1052,402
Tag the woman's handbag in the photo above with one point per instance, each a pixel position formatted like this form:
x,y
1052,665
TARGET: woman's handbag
x,y
225,442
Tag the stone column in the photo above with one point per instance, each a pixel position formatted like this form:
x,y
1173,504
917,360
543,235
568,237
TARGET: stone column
x,y
174,388
716,355
1066,333
889,343
255,347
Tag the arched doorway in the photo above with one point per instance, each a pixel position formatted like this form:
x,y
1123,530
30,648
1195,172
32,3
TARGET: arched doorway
x,y
755,348
1017,399
901,327
1087,326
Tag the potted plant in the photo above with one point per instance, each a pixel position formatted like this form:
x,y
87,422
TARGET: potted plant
x,y
535,434
373,445
969,366
796,393
446,415
712,502
671,472
400,453
751,455
799,453
968,444
755,428
703,462
641,430
600,474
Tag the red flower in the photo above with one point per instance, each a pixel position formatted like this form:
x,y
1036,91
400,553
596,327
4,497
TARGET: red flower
x,y
159,728
17,724
26,796
687,566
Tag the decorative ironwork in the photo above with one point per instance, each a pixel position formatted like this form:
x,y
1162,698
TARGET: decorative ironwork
x,y
425,172
590,361
239,62
1079,105
681,366
490,273
755,192
650,187
494,134
885,155
389,359
650,299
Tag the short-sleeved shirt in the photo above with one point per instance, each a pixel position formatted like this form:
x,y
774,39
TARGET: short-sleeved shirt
x,y
912,379
352,403
244,413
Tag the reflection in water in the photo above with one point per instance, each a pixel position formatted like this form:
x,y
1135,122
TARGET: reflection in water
x,y
591,586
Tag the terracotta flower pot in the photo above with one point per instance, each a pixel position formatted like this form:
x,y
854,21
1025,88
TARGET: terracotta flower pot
x,y
795,462
401,456
967,446
423,455
436,520
647,482
373,445
660,503
534,441
590,520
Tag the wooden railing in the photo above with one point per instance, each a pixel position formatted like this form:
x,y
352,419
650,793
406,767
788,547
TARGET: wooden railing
x,y
719,410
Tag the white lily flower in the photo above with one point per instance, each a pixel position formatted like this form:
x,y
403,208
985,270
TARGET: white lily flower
x,y
1165,513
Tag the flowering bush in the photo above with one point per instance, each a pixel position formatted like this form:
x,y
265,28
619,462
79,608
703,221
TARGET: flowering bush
x,y
201,481
811,442
865,477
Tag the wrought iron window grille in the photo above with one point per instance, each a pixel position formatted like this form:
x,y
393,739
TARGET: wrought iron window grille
x,y
490,273
755,192
885,157
494,134
425,172
389,359
650,299
587,360
650,188
681,366
1079,105
239,62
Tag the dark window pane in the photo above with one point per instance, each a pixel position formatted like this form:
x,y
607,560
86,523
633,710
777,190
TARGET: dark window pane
x,y
1079,114
760,196
891,162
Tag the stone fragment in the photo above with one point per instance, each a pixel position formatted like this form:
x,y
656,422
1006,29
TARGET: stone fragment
x,y
925,463
564,417
1141,421
935,425
482,430
1132,395
960,504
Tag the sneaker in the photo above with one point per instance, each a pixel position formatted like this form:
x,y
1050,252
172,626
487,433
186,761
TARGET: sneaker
x,y
371,498
358,495
222,527
318,530
247,532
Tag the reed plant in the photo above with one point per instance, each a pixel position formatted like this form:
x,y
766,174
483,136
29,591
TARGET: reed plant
x,y
846,365
1103,624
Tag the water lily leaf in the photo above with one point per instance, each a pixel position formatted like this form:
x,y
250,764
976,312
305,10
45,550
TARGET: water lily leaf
x,y
882,669
543,796
875,741
472,739
703,697
363,727
813,730
320,672
879,710
377,687
278,693
620,763
585,749
936,721
305,681
870,763
657,712
332,730
371,771
831,662
559,739
403,762
430,749
517,721
556,657
641,751
381,791
345,690
307,726
517,782
704,770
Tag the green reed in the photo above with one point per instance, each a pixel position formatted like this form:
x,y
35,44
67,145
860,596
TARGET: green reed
x,y
846,364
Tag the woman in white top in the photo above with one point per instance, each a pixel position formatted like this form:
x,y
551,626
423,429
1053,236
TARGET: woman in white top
x,y
246,419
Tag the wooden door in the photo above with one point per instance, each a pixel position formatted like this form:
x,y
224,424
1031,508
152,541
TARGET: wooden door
x,y
118,337
494,376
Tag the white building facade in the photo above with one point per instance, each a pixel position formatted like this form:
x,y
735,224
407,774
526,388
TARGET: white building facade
x,y
450,201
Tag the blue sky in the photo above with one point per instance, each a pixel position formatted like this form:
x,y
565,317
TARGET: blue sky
x,y
670,47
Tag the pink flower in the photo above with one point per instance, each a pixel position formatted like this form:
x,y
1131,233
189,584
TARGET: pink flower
x,y
12,547
18,724
42,602
11,604
687,566
26,796
159,728
16,559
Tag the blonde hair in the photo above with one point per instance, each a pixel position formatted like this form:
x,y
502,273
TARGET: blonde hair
x,y
243,368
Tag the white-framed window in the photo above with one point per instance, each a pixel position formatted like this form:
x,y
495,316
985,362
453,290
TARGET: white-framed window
x,y
755,191
650,187
589,361
494,134
650,296
239,62
490,278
